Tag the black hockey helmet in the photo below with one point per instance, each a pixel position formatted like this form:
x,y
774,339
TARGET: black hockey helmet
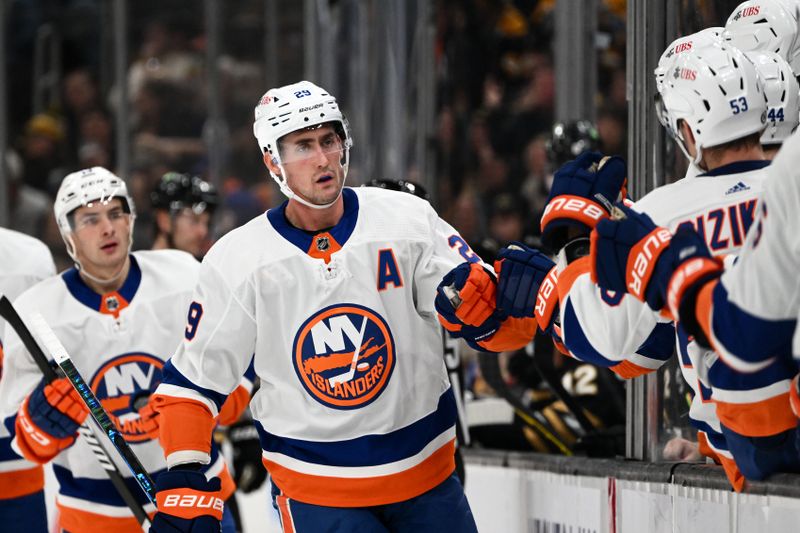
x,y
176,191
400,185
570,139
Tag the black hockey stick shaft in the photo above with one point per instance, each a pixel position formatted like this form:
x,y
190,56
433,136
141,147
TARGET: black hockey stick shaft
x,y
562,394
11,316
490,370
111,431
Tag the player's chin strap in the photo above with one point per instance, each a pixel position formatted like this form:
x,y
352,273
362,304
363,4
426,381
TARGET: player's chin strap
x,y
694,160
289,193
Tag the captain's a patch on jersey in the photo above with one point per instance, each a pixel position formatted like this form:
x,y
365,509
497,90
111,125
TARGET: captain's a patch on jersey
x,y
344,356
124,382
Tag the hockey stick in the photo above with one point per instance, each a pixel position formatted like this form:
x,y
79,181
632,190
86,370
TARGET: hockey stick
x,y
62,358
554,382
11,316
490,370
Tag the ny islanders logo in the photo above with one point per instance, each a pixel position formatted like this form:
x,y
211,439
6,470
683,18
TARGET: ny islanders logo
x,y
344,356
120,383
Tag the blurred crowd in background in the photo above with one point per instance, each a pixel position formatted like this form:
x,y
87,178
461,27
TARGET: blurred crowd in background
x,y
495,91
495,102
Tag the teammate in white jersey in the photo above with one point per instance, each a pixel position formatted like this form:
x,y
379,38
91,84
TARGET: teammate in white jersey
x,y
184,206
120,316
334,293
748,312
24,261
719,131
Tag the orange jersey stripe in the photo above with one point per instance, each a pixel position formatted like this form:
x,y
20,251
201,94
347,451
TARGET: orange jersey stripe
x,y
758,419
18,483
185,424
568,276
735,476
703,307
234,406
71,519
628,370
286,516
363,492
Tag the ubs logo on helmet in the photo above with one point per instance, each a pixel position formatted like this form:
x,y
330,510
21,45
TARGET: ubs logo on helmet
x,y
344,356
684,73
120,382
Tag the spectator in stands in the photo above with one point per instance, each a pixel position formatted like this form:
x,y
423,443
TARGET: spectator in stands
x,y
42,151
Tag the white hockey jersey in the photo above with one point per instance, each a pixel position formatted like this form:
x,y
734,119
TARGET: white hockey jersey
x,y
24,261
355,407
754,309
610,329
119,342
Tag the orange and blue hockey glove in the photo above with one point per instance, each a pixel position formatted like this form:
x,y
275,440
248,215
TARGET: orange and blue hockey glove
x,y
465,301
634,255
572,209
187,503
49,419
526,285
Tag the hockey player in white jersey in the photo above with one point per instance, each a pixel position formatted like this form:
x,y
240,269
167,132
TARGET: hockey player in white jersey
x,y
715,109
334,293
24,261
120,316
748,312
735,414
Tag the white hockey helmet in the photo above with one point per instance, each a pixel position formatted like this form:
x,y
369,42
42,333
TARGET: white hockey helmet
x,y
83,188
783,96
766,25
295,107
717,92
680,45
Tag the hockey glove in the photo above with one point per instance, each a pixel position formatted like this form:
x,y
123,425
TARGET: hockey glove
x,y
465,301
248,470
572,206
49,419
634,255
526,285
187,503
